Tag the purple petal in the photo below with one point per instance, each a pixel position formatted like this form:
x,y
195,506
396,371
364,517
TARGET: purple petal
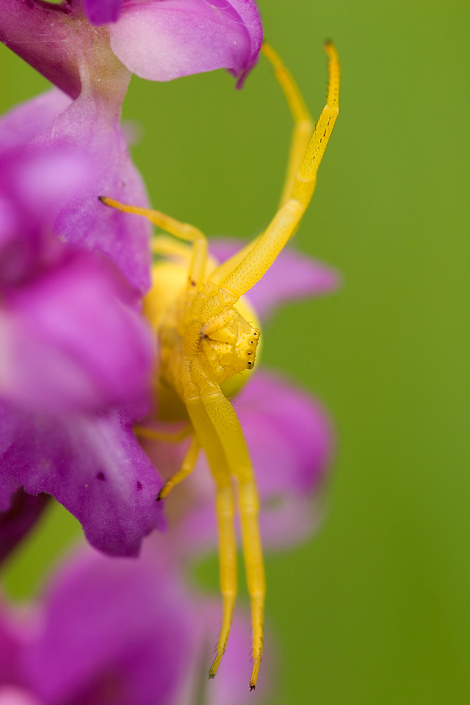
x,y
248,12
289,435
87,222
24,122
163,40
291,445
72,342
102,11
33,190
72,338
113,632
13,635
88,125
92,465
19,519
292,276
11,695
41,33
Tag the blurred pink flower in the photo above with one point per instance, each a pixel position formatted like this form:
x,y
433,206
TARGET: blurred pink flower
x,y
120,632
75,366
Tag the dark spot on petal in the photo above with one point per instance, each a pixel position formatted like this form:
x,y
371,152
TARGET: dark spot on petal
x,y
100,476
139,485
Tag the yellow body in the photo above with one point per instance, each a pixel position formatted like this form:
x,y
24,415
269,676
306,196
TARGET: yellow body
x,y
162,306
207,338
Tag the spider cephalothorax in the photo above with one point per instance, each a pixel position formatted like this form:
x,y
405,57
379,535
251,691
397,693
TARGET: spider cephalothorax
x,y
206,342
225,345
229,344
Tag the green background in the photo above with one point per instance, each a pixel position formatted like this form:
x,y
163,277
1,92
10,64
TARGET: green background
x,y
376,609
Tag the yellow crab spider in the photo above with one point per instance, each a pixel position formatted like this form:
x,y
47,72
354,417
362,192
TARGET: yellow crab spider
x,y
205,340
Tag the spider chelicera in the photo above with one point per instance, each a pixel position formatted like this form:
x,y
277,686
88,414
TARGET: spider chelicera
x,y
205,340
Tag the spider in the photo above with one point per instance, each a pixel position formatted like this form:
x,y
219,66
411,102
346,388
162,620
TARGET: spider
x,y
206,340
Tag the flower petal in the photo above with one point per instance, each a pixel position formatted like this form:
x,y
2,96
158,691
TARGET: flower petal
x,y
27,120
165,40
72,342
288,432
115,632
13,634
42,35
292,276
102,11
19,519
11,695
248,12
92,464
33,190
290,439
87,127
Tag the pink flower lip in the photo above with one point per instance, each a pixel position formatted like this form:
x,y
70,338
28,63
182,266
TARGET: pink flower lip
x,y
165,39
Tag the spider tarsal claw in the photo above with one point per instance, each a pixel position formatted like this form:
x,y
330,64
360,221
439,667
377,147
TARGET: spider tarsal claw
x,y
254,673
165,491
215,665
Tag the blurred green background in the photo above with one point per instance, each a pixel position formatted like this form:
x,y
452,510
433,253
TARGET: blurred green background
x,y
376,608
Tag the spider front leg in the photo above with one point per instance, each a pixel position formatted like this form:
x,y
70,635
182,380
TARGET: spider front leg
x,y
239,274
186,469
183,231
303,123
216,423
303,128
164,436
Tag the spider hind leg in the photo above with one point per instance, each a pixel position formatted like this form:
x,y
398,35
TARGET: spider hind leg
x,y
240,273
225,509
214,418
